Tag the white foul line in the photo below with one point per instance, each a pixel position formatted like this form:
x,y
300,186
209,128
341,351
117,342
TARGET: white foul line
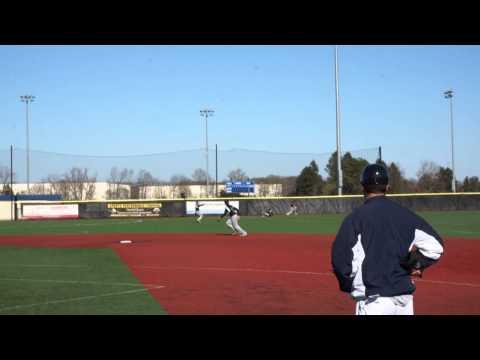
x,y
286,272
60,266
79,282
78,298
448,283
230,269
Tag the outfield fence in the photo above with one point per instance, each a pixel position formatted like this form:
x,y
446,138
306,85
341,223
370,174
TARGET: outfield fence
x,y
313,205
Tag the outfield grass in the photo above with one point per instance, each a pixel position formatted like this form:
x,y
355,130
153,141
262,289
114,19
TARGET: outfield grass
x,y
70,282
464,224
96,281
448,223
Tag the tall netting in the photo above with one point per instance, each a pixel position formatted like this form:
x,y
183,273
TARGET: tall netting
x,y
165,167
264,163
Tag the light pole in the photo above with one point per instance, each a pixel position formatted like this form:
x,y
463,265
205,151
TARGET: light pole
x,y
28,99
206,113
449,95
339,150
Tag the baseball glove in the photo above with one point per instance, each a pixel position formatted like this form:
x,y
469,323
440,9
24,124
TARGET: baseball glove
x,y
415,263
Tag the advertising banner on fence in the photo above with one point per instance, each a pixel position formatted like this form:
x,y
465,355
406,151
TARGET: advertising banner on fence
x,y
145,209
209,207
54,211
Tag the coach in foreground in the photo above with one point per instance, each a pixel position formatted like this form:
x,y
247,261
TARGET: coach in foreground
x,y
379,248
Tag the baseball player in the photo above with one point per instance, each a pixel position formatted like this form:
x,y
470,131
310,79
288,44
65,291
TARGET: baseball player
x,y
268,213
293,210
379,249
197,211
233,218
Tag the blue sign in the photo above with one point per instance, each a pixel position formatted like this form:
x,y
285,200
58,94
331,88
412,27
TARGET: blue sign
x,y
239,187
54,197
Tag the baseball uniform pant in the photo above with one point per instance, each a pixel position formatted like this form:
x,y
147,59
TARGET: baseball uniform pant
x,y
395,305
233,224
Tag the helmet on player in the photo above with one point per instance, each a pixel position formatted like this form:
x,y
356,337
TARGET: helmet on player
x,y
374,174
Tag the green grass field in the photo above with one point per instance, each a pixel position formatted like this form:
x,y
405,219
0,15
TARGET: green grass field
x,y
69,281
95,281
457,224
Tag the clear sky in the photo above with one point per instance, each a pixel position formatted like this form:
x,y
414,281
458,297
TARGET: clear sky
x,y
129,100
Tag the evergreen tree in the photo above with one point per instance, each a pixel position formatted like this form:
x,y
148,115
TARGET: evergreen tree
x,y
309,182
444,179
351,168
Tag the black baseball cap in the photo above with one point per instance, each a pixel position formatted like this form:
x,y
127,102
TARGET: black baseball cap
x,y
374,174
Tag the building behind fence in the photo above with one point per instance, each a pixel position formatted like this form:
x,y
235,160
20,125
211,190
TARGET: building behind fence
x,y
164,175
109,191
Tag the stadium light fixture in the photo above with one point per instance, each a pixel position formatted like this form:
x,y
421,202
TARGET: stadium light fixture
x,y
206,113
27,99
449,95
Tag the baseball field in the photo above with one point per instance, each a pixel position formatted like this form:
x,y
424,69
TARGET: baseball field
x,y
177,266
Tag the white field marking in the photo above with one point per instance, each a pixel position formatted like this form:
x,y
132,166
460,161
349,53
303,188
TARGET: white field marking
x,y
32,265
448,283
286,272
84,224
79,282
78,298
231,269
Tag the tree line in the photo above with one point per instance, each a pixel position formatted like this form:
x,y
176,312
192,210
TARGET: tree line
x,y
78,184
431,178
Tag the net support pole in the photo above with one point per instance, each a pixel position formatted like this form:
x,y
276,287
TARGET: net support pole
x,y
11,185
451,134
216,170
339,149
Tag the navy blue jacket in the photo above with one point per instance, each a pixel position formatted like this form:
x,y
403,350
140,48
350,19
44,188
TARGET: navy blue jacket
x,y
372,242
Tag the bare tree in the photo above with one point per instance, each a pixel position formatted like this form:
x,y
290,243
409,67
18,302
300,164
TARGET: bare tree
x,y
160,192
270,189
184,190
278,185
288,185
5,179
263,189
470,184
115,182
180,184
74,185
237,175
434,178
144,179
426,176
200,176
82,187
90,189
59,186
38,188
